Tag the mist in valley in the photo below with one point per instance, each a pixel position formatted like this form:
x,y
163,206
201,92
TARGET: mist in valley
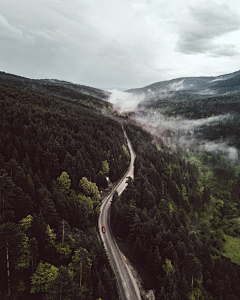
x,y
172,130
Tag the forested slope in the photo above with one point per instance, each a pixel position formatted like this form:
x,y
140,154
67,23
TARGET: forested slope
x,y
59,87
156,213
54,159
225,129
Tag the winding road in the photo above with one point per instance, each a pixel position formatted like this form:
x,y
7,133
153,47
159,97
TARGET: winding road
x,y
127,286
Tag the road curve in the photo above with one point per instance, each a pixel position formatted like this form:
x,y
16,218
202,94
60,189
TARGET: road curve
x,y
127,287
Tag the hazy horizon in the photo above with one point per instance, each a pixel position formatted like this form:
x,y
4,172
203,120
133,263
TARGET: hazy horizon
x,y
121,44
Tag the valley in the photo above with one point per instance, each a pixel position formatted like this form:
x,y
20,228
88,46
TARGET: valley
x,y
62,146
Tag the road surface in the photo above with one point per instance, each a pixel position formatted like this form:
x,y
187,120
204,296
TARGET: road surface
x,y
127,287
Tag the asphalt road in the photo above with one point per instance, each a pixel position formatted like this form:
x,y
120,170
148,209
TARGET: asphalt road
x,y
127,287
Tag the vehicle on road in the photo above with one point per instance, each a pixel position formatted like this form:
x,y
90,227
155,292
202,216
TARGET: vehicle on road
x,y
103,229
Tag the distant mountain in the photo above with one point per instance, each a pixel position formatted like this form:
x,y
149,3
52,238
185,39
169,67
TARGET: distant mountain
x,y
231,85
76,87
197,87
88,96
45,83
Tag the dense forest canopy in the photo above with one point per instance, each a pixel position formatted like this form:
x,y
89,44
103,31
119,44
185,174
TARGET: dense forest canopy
x,y
181,212
55,158
58,155
185,191
58,87
224,129
163,216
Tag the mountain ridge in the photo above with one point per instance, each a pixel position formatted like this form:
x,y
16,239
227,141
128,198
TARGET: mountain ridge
x,y
203,86
95,92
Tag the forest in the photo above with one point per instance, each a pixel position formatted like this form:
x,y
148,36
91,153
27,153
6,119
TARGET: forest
x,y
162,217
180,215
59,152
227,107
56,157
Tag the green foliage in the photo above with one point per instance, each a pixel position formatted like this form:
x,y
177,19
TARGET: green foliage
x,y
23,260
168,269
105,167
44,274
126,153
81,266
87,201
47,145
195,294
64,251
184,193
172,216
231,248
26,223
63,286
15,243
63,181
51,235
89,189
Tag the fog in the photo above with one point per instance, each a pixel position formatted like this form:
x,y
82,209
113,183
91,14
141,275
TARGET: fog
x,y
156,119
183,132
231,152
124,102
127,102
180,130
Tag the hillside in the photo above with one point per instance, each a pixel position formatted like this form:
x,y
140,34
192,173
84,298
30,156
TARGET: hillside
x,y
198,86
176,221
55,154
172,219
183,206
194,117
56,87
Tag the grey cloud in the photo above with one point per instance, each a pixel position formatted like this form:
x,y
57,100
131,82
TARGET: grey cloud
x,y
205,45
9,32
225,50
208,21
217,19
43,34
110,44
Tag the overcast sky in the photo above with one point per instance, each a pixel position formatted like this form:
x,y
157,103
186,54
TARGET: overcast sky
x,y
119,43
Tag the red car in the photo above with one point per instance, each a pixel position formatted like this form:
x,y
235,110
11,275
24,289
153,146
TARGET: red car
x,y
103,229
